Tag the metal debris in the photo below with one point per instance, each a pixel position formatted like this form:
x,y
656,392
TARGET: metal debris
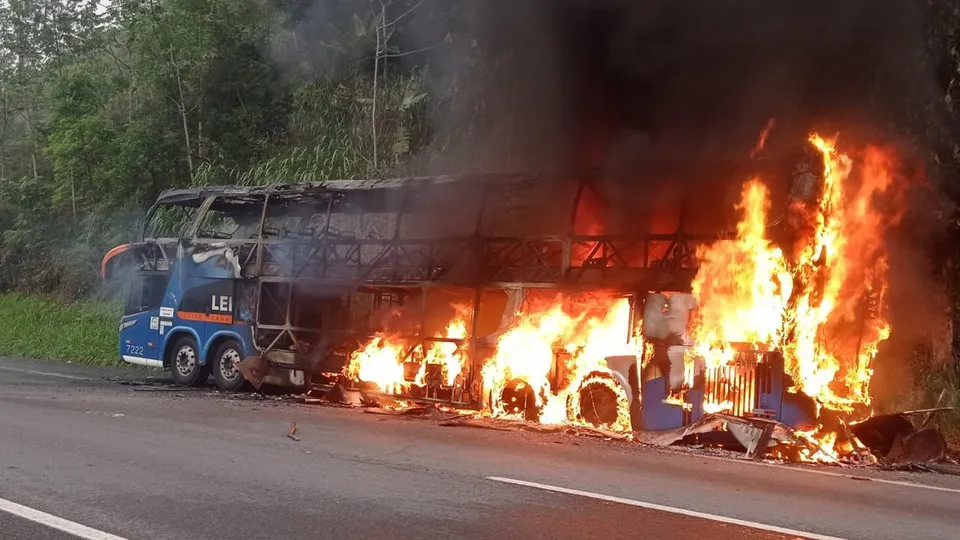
x,y
429,412
924,446
755,439
755,436
894,438
337,394
473,423
885,440
254,370
669,437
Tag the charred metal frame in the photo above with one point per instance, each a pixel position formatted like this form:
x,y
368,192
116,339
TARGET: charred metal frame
x,y
628,264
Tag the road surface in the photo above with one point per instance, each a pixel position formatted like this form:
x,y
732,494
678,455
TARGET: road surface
x,y
84,456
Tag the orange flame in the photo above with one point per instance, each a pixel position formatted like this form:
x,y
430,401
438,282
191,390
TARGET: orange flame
x,y
448,354
743,286
527,350
837,318
823,308
821,305
584,333
381,360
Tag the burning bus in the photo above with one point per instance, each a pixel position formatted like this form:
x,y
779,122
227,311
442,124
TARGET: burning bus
x,y
523,296
413,286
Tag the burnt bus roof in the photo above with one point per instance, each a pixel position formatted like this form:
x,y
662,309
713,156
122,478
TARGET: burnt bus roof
x,y
323,189
669,167
658,198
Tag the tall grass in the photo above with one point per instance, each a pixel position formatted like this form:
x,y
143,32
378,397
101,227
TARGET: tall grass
x,y
930,384
41,327
932,373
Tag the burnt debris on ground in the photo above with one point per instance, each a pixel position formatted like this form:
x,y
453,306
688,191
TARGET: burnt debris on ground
x,y
906,440
902,441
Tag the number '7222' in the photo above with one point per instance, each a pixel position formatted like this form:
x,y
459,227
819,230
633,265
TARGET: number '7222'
x,y
136,350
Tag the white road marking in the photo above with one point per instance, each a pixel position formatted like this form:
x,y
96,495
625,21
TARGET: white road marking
x,y
60,524
803,469
45,373
670,509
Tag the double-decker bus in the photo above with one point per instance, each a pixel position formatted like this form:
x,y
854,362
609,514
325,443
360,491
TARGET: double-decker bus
x,y
281,284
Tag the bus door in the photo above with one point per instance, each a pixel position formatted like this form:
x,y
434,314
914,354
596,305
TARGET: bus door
x,y
140,324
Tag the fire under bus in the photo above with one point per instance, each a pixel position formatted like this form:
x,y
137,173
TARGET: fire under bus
x,y
504,293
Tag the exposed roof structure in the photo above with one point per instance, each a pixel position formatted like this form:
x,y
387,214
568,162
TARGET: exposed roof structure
x,y
320,188
490,205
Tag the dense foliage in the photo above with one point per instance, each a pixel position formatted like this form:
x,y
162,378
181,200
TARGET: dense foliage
x,y
105,104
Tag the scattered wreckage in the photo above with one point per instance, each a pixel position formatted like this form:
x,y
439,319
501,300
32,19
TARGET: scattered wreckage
x,y
886,440
906,440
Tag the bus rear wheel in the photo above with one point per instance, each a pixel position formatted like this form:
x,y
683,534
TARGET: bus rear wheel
x,y
226,366
185,366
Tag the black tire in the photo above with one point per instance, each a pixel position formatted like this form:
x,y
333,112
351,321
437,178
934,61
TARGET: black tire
x,y
225,363
185,367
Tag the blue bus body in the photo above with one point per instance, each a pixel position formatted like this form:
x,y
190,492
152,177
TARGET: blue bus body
x,y
195,299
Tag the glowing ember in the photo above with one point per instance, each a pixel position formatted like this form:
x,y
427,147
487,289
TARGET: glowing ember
x,y
599,399
762,141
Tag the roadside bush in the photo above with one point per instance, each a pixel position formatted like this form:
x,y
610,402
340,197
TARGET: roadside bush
x,y
40,327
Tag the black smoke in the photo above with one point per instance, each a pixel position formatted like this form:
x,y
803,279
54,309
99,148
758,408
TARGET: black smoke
x,y
554,84
667,97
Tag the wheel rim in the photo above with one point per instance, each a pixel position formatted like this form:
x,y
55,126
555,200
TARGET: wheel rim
x,y
229,362
186,360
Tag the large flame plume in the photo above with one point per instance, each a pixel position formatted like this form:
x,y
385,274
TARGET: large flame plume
x,y
816,296
821,305
743,286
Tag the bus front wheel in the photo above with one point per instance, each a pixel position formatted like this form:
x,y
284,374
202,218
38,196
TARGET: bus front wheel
x,y
185,367
226,366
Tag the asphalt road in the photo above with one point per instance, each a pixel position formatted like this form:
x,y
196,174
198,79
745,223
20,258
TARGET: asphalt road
x,y
141,462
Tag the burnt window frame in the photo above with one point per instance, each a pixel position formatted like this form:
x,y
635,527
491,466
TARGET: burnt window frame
x,y
221,204
150,287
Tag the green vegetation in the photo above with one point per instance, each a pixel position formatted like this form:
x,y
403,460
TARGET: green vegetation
x,y
930,384
41,327
103,105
